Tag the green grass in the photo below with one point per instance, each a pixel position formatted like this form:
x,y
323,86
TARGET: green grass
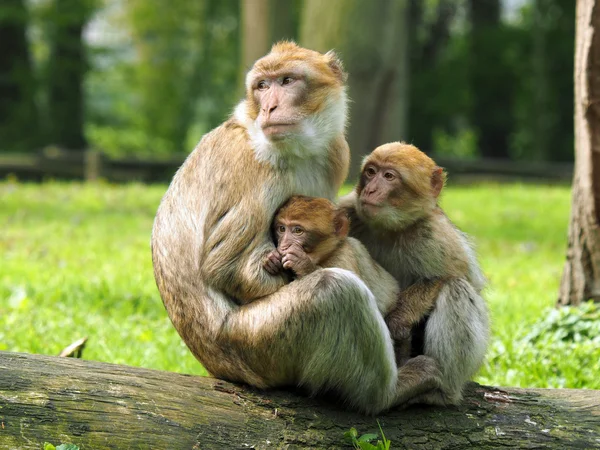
x,y
76,262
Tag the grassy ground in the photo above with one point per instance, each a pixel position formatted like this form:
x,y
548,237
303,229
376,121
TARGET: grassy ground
x,y
76,262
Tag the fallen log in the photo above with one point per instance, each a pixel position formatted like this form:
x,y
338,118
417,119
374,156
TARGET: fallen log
x,y
106,406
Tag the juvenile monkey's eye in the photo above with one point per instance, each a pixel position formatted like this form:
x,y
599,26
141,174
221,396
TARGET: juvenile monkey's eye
x,y
389,176
262,85
281,229
297,231
286,80
370,171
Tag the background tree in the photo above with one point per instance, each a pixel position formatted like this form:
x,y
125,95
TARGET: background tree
x,y
18,112
492,124
371,40
581,276
67,67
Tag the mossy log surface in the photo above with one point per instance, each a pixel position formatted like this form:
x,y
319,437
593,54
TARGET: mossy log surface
x,y
106,406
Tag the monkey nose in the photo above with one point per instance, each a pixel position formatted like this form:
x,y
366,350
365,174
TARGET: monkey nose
x,y
267,110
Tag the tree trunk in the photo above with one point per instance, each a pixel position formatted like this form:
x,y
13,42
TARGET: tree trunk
x,y
427,44
255,32
491,104
371,40
100,406
284,25
18,114
66,73
581,276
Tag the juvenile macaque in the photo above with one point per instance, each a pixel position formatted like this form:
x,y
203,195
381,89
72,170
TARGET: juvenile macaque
x,y
312,233
394,213
211,238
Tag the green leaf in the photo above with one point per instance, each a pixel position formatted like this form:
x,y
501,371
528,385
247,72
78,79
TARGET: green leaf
x,y
67,447
366,446
367,437
351,433
49,446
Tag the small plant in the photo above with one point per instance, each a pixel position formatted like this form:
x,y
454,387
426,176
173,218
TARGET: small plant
x,y
567,324
363,442
48,446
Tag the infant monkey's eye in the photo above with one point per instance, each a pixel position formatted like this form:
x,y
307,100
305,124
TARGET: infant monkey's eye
x,y
297,231
370,171
281,229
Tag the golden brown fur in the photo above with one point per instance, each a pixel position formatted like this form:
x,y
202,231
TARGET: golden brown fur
x,y
211,237
394,213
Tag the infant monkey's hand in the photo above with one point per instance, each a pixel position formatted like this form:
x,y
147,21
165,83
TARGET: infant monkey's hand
x,y
400,328
273,263
296,259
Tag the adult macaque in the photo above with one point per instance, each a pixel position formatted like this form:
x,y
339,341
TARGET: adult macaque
x,y
211,238
312,233
394,213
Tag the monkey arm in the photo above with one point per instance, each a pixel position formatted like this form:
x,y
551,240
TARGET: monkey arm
x,y
237,243
414,303
339,162
240,272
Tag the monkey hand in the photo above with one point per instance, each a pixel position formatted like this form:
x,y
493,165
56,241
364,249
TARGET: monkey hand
x,y
296,259
399,329
272,263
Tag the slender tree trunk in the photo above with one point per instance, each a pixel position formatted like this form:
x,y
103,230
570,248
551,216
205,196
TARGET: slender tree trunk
x,y
542,110
370,38
255,31
66,73
490,106
282,17
581,276
18,114
427,44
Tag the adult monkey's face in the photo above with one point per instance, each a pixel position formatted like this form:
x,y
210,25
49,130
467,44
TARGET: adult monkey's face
x,y
295,92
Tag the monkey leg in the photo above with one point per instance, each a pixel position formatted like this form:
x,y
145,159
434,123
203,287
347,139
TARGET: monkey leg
x,y
402,350
323,332
456,336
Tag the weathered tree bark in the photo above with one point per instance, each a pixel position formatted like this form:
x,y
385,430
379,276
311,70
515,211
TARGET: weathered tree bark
x,y
581,276
100,406
371,40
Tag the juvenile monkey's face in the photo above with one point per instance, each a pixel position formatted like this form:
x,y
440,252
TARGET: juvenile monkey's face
x,y
399,184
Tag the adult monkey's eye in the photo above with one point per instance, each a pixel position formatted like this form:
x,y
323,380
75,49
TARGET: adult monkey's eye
x,y
281,229
286,80
297,231
389,176
262,85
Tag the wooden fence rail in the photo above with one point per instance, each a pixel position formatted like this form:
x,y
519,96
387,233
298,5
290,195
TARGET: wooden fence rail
x,y
53,162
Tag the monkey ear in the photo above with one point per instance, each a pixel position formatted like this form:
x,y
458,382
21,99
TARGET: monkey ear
x,y
438,179
335,64
341,223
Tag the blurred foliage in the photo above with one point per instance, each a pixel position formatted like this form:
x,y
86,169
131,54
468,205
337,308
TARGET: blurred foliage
x,y
152,77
